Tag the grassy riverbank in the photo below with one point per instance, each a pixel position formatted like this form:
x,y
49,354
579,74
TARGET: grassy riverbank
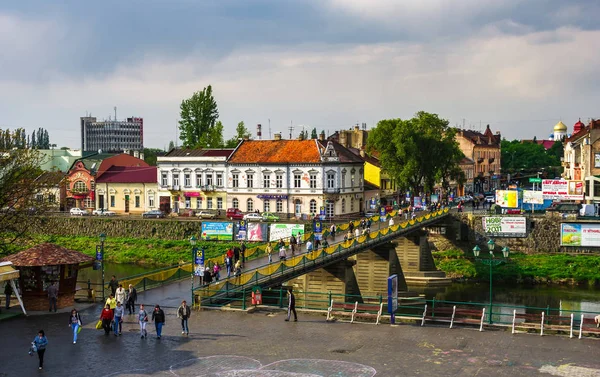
x,y
523,268
131,250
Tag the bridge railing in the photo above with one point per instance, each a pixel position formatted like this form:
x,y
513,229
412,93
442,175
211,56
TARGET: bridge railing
x,y
265,273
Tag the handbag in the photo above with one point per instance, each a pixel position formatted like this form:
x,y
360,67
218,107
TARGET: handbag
x,y
99,325
78,329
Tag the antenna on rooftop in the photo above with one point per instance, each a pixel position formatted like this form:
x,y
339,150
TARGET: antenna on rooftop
x,y
269,128
291,128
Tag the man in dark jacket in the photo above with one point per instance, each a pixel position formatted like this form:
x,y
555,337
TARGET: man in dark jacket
x,y
113,284
184,312
158,316
131,299
291,306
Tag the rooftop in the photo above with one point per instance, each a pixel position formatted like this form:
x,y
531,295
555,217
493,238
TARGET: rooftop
x,y
128,174
189,152
276,151
46,254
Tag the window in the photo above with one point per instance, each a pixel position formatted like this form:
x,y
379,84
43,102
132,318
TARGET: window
x,y
250,180
351,204
330,180
235,203
235,179
175,179
39,198
188,202
219,203
209,203
79,186
209,179
92,185
112,200
267,206
51,198
150,201
88,203
187,179
249,205
279,205
266,180
198,179
297,178
219,179
313,206
164,180
137,201
313,181
343,179
198,202
279,180
343,205
352,180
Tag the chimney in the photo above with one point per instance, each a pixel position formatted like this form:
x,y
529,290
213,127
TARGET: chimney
x,y
356,128
136,154
301,136
277,136
259,131
322,136
141,155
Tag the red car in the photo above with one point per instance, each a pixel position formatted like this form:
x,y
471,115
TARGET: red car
x,y
234,214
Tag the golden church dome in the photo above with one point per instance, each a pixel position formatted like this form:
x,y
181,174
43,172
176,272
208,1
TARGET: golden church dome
x,y
560,127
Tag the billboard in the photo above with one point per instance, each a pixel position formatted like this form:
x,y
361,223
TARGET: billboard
x,y
258,231
507,198
580,234
279,231
505,226
240,229
213,231
533,197
560,189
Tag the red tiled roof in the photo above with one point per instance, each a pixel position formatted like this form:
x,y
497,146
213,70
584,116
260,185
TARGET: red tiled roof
x,y
189,152
129,174
344,154
276,151
46,254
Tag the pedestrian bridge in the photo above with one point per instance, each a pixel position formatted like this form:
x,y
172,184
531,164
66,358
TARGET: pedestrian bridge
x,y
267,275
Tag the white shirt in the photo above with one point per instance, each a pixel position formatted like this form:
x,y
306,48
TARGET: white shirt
x,y
309,246
392,221
120,295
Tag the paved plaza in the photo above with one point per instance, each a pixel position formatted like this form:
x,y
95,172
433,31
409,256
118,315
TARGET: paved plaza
x,y
262,344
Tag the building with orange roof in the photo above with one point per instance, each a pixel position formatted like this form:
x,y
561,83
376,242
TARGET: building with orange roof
x,y
581,158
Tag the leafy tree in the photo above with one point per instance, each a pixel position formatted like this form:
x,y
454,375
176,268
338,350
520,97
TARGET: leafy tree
x,y
313,134
150,155
171,145
199,114
241,132
416,152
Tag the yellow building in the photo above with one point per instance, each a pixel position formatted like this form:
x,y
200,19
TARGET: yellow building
x,y
127,189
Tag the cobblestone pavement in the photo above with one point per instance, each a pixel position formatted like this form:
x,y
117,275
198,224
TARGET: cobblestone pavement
x,y
262,344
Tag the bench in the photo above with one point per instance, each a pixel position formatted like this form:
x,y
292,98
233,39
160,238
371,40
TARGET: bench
x,y
558,323
454,315
529,321
588,325
355,310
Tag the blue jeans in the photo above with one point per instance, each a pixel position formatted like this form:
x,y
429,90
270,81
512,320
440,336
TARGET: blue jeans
x,y
159,326
184,326
117,325
74,327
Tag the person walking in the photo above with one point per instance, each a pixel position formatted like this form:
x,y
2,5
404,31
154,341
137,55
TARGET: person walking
x,y
356,232
236,254
293,243
309,246
121,294
143,320
282,254
40,342
7,293
106,316
228,265
184,312
291,306
243,253
113,284
216,270
391,221
131,299
111,302
118,318
75,324
52,296
269,251
332,230
238,268
158,316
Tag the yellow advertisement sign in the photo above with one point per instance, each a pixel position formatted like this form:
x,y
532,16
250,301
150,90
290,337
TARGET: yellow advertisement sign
x,y
507,198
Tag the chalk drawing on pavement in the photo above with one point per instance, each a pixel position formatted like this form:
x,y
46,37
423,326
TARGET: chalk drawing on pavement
x,y
567,370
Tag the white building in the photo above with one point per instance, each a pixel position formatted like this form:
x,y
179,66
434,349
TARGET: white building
x,y
192,179
295,177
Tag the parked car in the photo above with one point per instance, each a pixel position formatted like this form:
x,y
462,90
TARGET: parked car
x,y
157,213
252,217
79,212
206,215
268,216
103,212
234,214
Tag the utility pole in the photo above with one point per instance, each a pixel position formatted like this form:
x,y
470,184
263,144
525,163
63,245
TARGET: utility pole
x,y
269,128
291,128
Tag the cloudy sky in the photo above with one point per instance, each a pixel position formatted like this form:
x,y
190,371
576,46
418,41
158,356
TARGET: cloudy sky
x,y
518,65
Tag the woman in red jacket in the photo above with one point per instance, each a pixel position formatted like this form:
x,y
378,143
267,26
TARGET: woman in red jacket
x,y
106,316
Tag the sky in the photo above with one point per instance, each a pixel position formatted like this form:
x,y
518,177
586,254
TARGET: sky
x,y
518,65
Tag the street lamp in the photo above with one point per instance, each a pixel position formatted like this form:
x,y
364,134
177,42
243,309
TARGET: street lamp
x,y
102,238
193,242
491,261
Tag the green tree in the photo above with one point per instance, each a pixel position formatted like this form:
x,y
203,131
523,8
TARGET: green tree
x,y
199,115
313,134
150,155
241,132
171,145
416,152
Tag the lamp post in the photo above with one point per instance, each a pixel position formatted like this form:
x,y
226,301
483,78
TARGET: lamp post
x,y
491,262
193,242
102,238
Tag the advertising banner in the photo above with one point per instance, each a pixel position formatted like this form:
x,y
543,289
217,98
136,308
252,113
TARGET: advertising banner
x,y
240,230
533,197
417,202
217,231
279,231
382,216
505,226
507,198
560,189
582,234
434,198
258,232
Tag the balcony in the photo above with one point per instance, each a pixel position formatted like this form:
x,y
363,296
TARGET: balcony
x,y
207,188
175,187
331,190
491,160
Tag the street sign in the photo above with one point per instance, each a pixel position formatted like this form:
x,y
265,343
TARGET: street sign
x,y
535,180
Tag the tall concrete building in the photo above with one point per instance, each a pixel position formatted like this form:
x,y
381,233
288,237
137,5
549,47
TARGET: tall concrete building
x,y
112,136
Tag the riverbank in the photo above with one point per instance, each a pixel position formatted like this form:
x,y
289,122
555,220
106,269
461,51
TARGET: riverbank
x,y
521,268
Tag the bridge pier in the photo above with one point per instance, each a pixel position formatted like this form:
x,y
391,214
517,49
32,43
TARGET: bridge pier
x,y
417,262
